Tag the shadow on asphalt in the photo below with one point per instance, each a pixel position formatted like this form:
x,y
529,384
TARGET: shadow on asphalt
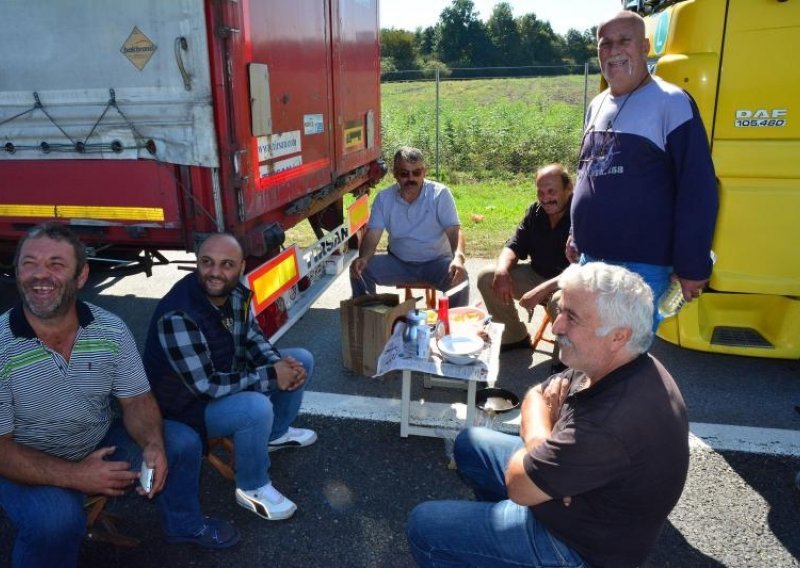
x,y
768,476
354,490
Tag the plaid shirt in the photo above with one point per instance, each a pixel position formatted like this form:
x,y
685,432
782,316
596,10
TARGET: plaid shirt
x,y
188,353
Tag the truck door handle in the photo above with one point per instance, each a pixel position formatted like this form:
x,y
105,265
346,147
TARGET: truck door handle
x,y
182,45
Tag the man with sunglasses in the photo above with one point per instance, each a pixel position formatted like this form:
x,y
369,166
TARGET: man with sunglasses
x,y
426,243
646,195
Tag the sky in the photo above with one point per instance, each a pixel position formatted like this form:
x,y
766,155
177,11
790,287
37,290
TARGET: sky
x,y
562,14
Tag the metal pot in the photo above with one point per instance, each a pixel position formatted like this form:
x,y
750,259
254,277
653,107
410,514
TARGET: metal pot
x,y
496,400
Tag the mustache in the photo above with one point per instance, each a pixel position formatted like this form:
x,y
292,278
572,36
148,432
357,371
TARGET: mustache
x,y
563,341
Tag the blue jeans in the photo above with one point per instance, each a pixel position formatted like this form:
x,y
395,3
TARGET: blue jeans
x,y
253,419
654,275
492,531
388,270
51,521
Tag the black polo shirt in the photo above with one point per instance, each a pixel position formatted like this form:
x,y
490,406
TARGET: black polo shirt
x,y
544,245
620,449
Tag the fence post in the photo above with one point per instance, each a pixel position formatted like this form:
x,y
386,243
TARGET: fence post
x,y
585,86
438,176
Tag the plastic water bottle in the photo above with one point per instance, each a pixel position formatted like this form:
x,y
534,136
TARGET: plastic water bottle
x,y
671,301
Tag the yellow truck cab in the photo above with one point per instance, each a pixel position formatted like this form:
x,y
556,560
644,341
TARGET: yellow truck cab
x,y
735,58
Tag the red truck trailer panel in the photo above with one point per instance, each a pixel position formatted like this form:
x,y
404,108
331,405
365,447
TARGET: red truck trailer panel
x,y
288,44
167,120
356,82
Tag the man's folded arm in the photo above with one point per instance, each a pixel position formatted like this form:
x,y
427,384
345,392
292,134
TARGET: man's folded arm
x,y
188,354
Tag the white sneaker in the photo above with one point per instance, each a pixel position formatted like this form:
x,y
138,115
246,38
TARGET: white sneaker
x,y
294,438
266,502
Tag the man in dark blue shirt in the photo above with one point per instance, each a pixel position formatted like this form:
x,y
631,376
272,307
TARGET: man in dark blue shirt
x,y
646,192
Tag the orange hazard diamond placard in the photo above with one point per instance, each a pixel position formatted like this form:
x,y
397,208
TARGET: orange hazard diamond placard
x,y
138,48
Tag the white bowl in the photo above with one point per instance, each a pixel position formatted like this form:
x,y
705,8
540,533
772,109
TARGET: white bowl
x,y
460,349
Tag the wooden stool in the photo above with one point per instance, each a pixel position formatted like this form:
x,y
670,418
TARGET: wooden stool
x,y
430,292
539,335
222,456
102,526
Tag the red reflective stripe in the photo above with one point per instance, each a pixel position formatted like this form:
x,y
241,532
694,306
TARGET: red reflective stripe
x,y
293,173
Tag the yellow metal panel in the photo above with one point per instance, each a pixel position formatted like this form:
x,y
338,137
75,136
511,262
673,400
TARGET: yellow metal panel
x,y
776,159
755,87
776,318
696,26
757,236
691,50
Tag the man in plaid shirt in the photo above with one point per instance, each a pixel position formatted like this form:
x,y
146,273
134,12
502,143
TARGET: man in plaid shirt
x,y
211,366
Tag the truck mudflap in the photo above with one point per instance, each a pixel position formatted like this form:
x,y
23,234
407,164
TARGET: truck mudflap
x,y
754,325
285,286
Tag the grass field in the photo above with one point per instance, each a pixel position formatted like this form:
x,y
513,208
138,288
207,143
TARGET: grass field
x,y
495,133
491,129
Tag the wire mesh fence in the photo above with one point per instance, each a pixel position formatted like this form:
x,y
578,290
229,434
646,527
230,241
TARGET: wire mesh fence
x,y
488,123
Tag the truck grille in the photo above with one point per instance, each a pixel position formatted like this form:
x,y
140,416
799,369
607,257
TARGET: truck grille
x,y
740,337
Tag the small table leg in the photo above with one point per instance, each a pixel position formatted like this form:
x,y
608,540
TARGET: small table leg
x,y
472,389
405,404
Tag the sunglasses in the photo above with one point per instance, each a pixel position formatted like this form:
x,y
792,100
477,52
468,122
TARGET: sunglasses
x,y
406,173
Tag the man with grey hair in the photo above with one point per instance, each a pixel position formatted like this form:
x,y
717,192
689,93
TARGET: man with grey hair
x,y
602,454
426,243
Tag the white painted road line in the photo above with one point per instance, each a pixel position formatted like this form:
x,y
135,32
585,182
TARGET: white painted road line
x,y
716,437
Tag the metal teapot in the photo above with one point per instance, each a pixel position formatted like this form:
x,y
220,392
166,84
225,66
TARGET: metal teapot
x,y
416,335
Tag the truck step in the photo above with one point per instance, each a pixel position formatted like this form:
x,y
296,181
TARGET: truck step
x,y
740,337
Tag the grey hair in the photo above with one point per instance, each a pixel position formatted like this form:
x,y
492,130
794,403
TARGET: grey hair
x,y
622,297
409,154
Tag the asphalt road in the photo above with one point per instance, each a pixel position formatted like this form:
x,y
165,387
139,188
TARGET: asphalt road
x,y
355,487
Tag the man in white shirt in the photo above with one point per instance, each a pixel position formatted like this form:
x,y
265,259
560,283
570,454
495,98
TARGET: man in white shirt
x,y
426,243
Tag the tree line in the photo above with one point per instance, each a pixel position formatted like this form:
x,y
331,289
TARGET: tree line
x,y
461,40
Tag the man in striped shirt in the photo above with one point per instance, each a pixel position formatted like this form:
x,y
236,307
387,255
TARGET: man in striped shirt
x,y
62,364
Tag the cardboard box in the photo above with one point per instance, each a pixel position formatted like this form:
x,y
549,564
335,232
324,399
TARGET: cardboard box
x,y
366,324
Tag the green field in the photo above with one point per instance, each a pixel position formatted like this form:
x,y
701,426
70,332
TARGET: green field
x,y
495,133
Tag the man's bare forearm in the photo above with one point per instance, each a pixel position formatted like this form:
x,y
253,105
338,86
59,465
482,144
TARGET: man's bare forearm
x,y
142,420
536,424
506,260
369,244
34,467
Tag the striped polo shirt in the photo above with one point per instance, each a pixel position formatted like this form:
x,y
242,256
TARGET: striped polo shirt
x,y
64,408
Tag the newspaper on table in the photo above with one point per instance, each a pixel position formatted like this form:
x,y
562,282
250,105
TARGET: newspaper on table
x,y
397,356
